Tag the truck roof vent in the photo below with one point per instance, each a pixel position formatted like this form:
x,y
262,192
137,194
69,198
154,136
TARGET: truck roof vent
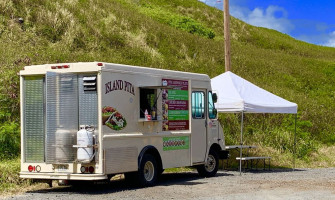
x,y
90,83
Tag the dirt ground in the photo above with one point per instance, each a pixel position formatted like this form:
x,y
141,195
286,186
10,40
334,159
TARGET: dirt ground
x,y
274,184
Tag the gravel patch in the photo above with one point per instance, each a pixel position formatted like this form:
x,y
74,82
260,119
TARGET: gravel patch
x,y
274,184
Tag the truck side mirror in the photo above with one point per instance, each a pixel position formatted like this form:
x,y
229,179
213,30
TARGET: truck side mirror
x,y
215,111
215,97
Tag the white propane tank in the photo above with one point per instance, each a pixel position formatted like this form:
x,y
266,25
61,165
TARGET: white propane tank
x,y
85,138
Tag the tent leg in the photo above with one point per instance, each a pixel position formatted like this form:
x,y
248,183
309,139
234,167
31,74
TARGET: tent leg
x,y
241,143
295,141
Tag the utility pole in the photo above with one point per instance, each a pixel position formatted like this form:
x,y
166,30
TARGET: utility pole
x,y
226,35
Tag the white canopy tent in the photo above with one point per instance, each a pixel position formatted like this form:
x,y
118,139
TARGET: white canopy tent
x,y
236,94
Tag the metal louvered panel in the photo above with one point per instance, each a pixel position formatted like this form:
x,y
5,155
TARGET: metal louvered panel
x,y
88,103
123,159
90,83
61,117
33,106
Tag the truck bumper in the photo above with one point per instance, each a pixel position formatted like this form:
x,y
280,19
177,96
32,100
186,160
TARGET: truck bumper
x,y
63,176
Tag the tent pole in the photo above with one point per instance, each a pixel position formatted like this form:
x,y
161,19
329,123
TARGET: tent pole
x,y
295,141
241,143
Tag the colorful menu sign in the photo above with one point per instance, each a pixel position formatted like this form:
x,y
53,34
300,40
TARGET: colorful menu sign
x,y
175,105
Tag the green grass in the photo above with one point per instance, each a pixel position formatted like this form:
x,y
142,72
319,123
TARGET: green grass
x,y
11,183
179,170
9,177
177,21
178,35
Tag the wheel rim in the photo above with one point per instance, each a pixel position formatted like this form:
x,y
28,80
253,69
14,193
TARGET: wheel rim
x,y
149,171
210,164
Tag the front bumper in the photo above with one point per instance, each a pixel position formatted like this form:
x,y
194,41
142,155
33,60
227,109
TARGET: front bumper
x,y
63,176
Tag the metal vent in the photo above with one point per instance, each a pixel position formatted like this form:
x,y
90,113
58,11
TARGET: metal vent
x,y
88,104
90,83
122,159
33,132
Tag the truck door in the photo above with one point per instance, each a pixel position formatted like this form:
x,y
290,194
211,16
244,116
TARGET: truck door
x,y
213,124
199,128
61,116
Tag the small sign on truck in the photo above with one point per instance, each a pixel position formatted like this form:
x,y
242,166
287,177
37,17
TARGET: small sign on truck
x,y
89,121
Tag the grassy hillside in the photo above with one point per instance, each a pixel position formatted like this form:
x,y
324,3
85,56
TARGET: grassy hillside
x,y
178,35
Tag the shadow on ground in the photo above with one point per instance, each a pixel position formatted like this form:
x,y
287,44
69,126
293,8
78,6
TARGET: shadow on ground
x,y
114,186
166,179
272,170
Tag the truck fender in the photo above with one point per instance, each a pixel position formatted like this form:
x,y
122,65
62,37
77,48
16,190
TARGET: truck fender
x,y
153,151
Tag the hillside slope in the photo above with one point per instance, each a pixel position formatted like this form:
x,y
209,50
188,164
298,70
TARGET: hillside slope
x,y
178,35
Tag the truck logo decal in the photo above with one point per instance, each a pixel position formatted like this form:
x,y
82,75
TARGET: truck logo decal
x,y
119,85
113,118
175,143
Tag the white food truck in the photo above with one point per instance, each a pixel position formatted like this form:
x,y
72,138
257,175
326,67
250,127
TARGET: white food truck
x,y
90,121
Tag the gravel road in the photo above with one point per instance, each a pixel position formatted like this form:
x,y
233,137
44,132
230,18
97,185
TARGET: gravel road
x,y
275,184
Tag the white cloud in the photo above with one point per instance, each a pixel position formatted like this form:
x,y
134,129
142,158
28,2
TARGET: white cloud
x,y
276,17
273,17
331,40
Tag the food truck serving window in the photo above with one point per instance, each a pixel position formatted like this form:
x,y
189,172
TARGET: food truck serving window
x,y
198,105
147,101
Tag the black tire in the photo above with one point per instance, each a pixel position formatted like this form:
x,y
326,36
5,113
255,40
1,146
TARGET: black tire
x,y
148,171
210,168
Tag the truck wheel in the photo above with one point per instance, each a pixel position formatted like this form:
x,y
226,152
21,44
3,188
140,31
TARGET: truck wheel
x,y
148,171
211,166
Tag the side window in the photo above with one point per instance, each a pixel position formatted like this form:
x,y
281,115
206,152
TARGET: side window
x,y
147,101
211,107
198,105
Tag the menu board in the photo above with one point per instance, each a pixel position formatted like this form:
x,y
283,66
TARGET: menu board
x,y
175,105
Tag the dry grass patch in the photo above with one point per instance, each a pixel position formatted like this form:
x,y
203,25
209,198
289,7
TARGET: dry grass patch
x,y
138,40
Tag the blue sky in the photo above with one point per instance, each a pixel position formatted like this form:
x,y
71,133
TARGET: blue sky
x,y
306,20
